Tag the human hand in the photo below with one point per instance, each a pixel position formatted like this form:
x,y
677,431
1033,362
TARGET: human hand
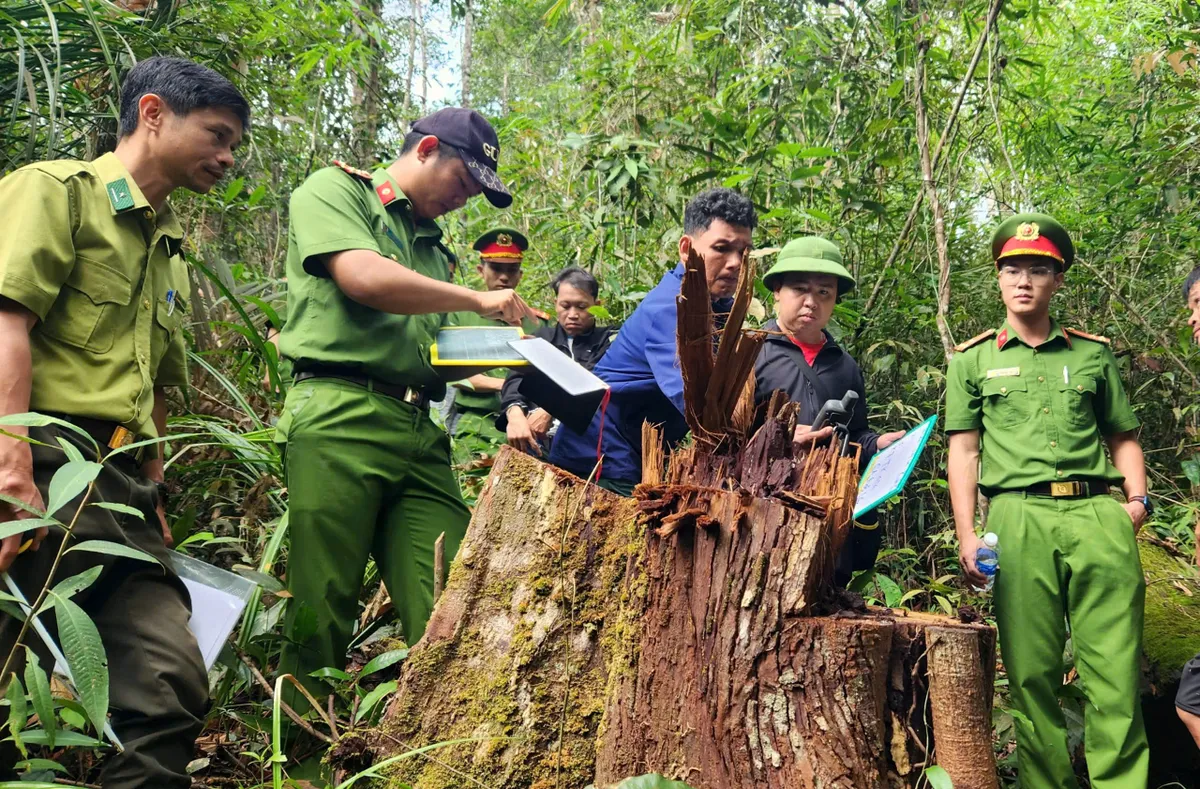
x,y
16,482
967,548
887,439
162,521
519,434
539,422
505,305
1137,513
805,436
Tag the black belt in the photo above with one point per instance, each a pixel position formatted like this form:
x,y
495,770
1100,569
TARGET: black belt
x,y
109,435
407,394
1067,489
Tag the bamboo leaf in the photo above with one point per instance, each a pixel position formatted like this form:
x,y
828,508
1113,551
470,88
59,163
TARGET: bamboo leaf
x,y
69,587
39,692
124,509
113,549
84,651
71,480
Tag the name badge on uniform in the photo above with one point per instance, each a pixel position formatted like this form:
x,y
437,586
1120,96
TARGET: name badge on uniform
x,y
170,301
1004,372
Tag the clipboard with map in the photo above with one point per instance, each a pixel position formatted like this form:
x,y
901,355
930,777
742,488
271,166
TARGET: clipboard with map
x,y
889,470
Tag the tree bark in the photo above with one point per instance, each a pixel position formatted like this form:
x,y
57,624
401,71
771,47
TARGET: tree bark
x,y
467,43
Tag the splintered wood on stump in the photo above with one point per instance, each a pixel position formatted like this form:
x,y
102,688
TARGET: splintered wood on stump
x,y
691,630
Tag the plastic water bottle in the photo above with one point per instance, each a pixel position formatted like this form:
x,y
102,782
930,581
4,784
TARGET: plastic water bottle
x,y
987,559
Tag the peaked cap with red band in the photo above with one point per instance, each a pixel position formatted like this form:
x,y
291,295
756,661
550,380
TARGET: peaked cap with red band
x,y
1033,235
502,245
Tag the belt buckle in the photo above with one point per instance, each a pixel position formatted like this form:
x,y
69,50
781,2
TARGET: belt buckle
x,y
1063,489
121,437
411,395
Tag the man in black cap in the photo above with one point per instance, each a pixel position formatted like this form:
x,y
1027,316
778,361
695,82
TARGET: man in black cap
x,y
368,472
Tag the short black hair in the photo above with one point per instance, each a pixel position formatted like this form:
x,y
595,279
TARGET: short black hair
x,y
444,151
720,203
183,85
1190,283
576,278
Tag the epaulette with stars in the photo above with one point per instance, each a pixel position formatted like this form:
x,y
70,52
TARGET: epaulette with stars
x,y
357,173
971,343
1086,336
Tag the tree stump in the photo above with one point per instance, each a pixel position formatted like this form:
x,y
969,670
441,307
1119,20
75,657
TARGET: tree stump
x,y
575,643
691,630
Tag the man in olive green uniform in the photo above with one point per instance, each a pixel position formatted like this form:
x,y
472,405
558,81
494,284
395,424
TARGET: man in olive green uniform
x,y
1030,408
93,296
477,399
368,472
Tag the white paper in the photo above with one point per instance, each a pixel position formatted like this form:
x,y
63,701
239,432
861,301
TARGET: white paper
x,y
214,615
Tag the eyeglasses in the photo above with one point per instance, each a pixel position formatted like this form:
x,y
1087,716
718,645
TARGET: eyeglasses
x,y
1036,273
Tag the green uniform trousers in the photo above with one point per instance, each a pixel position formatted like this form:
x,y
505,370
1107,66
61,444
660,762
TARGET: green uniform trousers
x,y
1072,561
367,475
158,687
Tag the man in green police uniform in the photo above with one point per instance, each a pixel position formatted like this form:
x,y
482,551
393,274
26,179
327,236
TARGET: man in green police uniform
x,y
368,472
477,399
1037,403
93,295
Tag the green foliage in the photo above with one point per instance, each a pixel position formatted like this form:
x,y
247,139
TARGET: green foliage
x,y
653,781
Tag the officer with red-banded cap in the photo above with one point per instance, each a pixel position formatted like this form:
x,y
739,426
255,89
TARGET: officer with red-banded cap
x,y
1030,409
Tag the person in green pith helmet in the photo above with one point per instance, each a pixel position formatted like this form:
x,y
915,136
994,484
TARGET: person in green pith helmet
x,y
802,359
1031,408
476,400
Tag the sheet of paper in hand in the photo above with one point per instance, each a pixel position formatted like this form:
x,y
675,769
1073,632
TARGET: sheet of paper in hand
x,y
565,388
476,346
889,470
218,599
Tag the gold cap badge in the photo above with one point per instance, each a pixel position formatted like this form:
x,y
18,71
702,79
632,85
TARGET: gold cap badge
x,y
504,240
1028,231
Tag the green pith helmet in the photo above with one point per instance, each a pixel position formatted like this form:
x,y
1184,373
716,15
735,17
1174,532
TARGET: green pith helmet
x,y
810,254
1038,235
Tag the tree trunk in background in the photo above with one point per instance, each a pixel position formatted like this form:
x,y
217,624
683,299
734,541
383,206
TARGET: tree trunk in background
x,y
411,67
366,92
468,35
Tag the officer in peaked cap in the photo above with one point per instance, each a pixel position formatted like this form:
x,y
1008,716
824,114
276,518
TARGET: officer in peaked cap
x,y
1031,408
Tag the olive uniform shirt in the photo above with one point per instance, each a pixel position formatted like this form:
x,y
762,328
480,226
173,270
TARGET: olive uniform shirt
x,y
338,209
1043,412
83,250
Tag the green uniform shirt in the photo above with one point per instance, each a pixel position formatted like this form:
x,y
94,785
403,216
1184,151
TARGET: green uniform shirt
x,y
468,399
335,211
84,251
1043,411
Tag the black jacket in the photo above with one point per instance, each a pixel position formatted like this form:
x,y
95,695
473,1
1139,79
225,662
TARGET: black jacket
x,y
779,367
587,349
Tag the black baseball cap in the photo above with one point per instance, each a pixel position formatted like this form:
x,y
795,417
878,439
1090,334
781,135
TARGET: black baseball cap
x,y
470,133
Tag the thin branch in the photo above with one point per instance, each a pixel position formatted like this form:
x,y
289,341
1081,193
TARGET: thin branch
x,y
939,218
261,680
1163,340
936,162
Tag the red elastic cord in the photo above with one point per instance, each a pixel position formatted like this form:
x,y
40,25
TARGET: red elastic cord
x,y
600,438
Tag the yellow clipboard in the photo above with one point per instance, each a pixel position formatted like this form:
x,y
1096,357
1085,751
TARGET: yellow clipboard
x,y
481,347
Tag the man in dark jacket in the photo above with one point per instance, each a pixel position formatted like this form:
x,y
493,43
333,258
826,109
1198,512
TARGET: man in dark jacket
x,y
528,427
803,360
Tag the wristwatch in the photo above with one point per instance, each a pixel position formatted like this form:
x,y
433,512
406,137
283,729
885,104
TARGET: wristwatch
x,y
1145,500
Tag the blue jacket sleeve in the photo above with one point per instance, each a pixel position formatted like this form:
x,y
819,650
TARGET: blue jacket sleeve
x,y
662,354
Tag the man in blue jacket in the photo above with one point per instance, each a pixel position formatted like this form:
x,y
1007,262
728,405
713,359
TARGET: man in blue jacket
x,y
642,366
